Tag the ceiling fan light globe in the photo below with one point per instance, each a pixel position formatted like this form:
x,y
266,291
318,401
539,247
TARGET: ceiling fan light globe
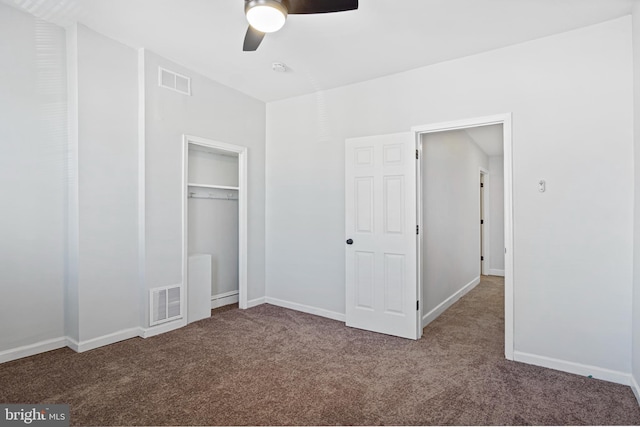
x,y
266,16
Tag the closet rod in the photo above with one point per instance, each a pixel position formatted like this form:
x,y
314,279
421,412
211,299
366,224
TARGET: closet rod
x,y
197,196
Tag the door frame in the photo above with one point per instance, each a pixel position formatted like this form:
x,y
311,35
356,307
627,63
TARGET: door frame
x,y
242,212
506,121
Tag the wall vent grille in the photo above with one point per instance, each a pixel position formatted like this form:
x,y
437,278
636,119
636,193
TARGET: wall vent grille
x,y
174,81
165,303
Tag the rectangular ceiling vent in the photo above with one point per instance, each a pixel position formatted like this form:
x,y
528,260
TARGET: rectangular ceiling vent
x,y
165,304
174,81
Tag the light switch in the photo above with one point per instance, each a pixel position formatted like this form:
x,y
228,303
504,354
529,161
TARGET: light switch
x,y
541,186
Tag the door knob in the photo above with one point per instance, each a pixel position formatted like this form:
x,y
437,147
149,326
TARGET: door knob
x,y
349,241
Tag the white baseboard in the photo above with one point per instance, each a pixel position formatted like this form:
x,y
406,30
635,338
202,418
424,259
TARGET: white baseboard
x,y
32,349
636,388
433,314
162,328
56,343
221,300
306,309
573,368
112,338
256,302
495,272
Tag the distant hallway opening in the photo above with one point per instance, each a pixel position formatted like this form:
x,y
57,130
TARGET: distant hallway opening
x,y
462,212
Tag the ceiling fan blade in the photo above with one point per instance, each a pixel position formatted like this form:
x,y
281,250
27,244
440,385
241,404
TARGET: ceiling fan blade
x,y
319,6
252,39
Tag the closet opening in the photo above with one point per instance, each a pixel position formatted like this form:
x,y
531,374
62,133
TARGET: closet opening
x,y
214,219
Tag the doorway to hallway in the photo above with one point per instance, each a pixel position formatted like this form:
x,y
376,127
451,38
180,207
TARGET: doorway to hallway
x,y
465,210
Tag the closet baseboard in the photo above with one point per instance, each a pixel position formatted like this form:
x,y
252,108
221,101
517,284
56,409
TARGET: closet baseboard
x,y
221,300
256,302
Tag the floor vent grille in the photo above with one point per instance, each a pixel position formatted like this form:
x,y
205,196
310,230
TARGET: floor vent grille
x,y
166,304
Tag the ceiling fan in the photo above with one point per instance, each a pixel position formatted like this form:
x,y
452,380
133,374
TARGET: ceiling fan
x,y
268,16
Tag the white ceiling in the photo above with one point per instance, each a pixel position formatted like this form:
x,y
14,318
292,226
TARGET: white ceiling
x,y
489,139
323,51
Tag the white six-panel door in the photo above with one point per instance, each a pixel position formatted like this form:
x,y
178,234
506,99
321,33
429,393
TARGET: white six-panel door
x,y
381,243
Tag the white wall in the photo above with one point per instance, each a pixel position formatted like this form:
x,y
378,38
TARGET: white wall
x,y
451,163
75,213
636,272
215,112
213,229
209,168
496,215
571,99
107,275
33,143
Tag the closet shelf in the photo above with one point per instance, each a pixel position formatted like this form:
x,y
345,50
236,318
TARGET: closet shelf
x,y
222,187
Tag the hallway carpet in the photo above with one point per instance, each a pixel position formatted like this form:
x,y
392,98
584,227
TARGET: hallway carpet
x,y
273,366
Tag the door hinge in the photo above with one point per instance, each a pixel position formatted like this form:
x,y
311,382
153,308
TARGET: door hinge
x,y
417,155
417,229
417,305
481,258
482,221
482,184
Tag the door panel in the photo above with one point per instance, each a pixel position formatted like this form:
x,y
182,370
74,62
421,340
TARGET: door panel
x,y
364,204
393,201
364,275
380,218
394,283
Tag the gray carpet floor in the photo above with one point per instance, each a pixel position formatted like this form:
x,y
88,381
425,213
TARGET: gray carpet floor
x,y
273,366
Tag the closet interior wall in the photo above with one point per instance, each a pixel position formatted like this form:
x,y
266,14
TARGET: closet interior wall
x,y
213,217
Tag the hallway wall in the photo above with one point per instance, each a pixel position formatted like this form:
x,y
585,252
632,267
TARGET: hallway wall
x,y
451,163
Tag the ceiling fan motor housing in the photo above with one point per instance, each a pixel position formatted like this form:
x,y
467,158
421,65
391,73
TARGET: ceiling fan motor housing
x,y
266,16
